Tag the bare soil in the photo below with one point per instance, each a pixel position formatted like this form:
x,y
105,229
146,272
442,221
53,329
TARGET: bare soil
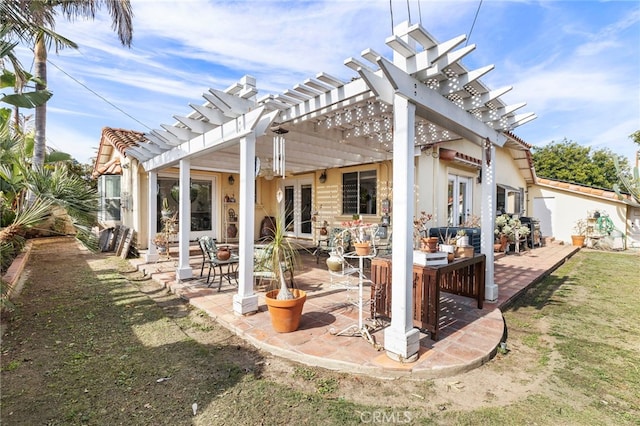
x,y
93,341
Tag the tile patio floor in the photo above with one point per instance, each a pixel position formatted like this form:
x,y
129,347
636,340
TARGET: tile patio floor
x,y
468,336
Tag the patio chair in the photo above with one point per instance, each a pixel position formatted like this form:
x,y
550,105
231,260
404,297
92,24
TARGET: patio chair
x,y
337,238
262,265
209,249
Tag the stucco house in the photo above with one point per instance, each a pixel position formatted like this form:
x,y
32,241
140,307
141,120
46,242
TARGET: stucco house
x,y
416,133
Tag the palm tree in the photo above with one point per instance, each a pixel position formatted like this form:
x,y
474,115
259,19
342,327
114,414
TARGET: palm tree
x,y
41,15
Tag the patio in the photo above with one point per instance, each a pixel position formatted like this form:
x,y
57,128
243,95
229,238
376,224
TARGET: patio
x,y
468,336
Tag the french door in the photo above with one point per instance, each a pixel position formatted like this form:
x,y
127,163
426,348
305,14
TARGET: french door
x,y
459,199
297,208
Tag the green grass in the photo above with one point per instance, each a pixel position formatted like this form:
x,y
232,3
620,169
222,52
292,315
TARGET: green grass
x,y
90,348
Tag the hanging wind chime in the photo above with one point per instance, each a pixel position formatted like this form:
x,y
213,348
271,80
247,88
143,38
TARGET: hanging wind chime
x,y
278,155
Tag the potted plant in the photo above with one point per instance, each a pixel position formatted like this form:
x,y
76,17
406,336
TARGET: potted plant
x,y
166,211
580,233
421,236
284,304
509,230
161,242
361,235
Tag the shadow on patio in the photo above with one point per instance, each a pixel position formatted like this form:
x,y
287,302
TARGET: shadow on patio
x,y
468,336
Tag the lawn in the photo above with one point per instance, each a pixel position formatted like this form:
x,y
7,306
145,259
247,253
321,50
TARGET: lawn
x,y
92,341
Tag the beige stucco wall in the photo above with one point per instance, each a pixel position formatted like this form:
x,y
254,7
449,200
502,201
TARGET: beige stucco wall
x,y
432,178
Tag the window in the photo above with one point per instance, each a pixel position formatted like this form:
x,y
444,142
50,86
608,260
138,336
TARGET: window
x,y
109,198
359,192
509,199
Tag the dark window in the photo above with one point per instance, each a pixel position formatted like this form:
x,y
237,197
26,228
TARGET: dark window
x,y
359,192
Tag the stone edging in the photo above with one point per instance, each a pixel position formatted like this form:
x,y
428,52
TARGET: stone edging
x,y
13,274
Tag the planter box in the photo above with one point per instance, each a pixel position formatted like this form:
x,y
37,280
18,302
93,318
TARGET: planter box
x,y
429,259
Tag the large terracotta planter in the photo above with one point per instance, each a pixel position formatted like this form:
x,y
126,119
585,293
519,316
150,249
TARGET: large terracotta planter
x,y
285,314
577,240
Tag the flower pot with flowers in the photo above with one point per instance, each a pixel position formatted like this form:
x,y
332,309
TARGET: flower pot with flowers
x,y
421,237
362,235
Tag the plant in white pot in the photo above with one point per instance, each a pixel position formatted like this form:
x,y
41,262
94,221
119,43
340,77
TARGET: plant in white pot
x,y
285,304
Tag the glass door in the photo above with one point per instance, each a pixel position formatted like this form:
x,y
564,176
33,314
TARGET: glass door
x,y
203,205
459,199
298,202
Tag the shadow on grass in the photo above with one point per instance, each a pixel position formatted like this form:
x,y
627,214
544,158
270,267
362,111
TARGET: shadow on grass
x,y
87,346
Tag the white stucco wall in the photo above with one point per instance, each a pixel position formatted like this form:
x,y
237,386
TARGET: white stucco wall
x,y
568,207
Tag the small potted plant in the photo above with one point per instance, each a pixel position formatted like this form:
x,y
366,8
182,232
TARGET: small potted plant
x,y
580,233
166,211
361,235
421,236
161,242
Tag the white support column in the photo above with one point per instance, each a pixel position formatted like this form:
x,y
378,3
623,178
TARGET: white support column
x,y
184,219
246,301
488,216
401,340
152,217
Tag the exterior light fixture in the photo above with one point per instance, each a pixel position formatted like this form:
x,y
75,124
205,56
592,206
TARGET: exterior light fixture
x,y
323,177
231,180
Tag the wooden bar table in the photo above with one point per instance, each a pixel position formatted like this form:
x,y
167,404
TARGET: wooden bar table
x,y
462,276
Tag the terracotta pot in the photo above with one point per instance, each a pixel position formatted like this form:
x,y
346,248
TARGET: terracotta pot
x,y
323,231
223,253
430,244
577,240
285,314
232,230
362,249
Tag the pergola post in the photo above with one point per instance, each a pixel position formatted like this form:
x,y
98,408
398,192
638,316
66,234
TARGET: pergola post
x,y
246,301
152,215
183,270
488,217
401,340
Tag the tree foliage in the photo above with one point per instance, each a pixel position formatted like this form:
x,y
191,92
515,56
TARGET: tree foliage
x,y
571,162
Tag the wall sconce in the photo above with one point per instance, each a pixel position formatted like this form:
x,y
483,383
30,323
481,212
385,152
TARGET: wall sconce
x,y
231,180
323,177
479,178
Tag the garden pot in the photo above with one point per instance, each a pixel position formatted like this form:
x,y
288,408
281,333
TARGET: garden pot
x,y
334,262
462,241
285,314
232,230
223,253
362,249
577,240
430,244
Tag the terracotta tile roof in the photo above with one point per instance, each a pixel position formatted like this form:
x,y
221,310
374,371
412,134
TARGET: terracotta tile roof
x,y
112,167
119,139
581,189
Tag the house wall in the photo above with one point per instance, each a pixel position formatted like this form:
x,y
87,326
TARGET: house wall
x,y
432,179
327,196
569,207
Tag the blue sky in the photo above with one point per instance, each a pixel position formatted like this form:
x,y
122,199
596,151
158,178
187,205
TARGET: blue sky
x,y
575,63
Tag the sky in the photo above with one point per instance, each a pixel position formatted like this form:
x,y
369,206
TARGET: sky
x,y
575,63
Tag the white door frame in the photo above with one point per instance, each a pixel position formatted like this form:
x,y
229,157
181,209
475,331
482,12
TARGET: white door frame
x,y
296,230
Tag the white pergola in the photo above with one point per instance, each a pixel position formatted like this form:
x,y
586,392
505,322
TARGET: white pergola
x,y
424,95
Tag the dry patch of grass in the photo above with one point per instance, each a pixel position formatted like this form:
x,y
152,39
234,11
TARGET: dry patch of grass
x,y
95,342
